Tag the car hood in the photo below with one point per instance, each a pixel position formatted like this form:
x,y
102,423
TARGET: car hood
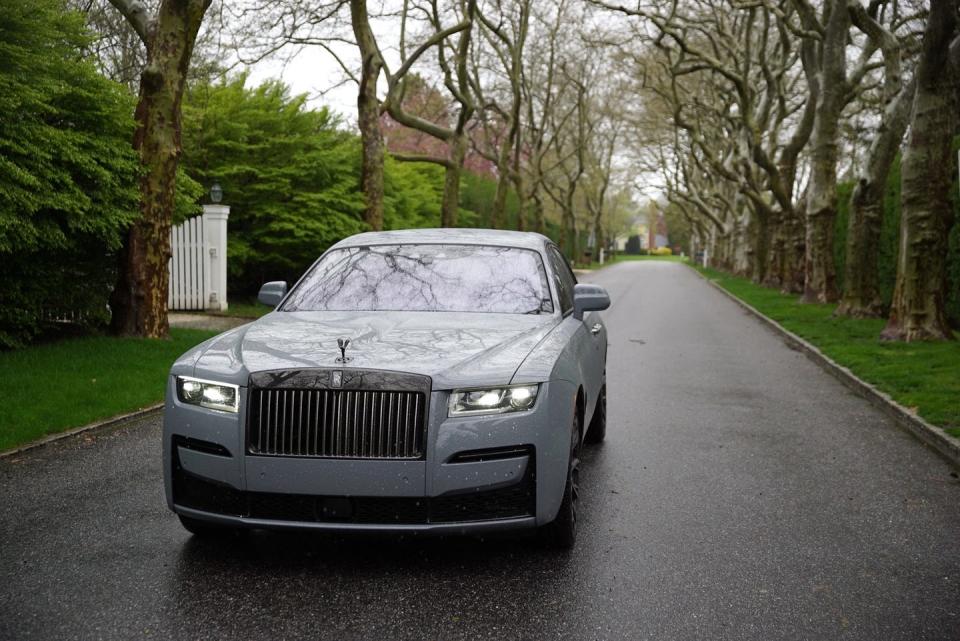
x,y
454,349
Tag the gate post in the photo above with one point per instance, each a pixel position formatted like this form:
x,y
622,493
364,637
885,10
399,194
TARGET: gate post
x,y
215,255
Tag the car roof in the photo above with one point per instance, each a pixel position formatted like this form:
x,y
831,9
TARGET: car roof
x,y
453,236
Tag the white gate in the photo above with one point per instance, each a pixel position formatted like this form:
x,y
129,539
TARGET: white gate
x,y
198,274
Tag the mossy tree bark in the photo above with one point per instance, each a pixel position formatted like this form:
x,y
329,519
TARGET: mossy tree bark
x,y
139,300
918,309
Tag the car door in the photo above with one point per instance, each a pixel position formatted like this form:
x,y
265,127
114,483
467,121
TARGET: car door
x,y
589,339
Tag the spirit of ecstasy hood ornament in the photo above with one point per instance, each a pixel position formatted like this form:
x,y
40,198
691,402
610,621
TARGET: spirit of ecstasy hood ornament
x,y
343,343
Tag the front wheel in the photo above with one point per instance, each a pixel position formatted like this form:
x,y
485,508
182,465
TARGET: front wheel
x,y
561,533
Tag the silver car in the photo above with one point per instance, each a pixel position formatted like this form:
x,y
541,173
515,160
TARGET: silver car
x,y
411,381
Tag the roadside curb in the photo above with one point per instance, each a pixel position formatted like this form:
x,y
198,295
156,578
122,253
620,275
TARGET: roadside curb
x,y
59,436
932,436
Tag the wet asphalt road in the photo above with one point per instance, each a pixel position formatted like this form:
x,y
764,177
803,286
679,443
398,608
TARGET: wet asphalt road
x,y
742,493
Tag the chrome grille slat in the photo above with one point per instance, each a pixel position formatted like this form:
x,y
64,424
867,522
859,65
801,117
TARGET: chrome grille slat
x,y
336,423
260,435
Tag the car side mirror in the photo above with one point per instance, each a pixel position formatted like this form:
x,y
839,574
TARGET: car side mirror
x,y
589,298
272,293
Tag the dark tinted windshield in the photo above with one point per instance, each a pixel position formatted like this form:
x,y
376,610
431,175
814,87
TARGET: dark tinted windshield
x,y
426,278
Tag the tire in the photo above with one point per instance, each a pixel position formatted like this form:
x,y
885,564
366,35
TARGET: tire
x,y
598,425
561,533
203,529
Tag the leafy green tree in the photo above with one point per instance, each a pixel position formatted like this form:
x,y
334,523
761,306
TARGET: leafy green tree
x,y
67,171
288,173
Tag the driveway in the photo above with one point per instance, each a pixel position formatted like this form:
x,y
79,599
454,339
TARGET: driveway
x,y
742,493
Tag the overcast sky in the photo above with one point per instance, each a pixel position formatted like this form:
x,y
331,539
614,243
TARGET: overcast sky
x,y
311,70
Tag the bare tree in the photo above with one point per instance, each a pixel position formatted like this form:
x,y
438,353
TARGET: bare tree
x,y
600,173
543,90
505,28
453,59
571,128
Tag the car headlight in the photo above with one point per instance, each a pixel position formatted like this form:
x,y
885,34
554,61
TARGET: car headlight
x,y
210,394
494,400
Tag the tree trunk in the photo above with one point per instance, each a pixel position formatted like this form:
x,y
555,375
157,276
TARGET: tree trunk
x,y
861,294
368,116
571,244
786,253
597,238
917,312
773,271
820,279
451,182
742,249
522,204
139,300
498,216
539,220
793,239
761,245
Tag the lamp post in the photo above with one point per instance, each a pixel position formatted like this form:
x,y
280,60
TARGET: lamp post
x,y
215,218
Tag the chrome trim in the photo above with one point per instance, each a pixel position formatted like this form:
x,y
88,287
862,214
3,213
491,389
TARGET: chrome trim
x,y
337,423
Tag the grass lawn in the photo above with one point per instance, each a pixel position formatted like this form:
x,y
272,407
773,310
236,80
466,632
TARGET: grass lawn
x,y
922,376
245,308
56,386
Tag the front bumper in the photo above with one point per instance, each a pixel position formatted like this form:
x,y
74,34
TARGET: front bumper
x,y
209,475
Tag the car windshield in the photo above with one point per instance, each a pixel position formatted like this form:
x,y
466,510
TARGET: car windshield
x,y
425,278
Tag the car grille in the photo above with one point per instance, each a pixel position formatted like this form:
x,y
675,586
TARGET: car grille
x,y
368,424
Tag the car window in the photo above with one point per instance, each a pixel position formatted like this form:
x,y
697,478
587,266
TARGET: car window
x,y
564,279
427,278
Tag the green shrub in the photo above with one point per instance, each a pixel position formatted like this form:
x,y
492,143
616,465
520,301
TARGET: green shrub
x,y
844,190
68,174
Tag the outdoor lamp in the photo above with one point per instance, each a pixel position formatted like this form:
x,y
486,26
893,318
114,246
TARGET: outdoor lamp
x,y
216,193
